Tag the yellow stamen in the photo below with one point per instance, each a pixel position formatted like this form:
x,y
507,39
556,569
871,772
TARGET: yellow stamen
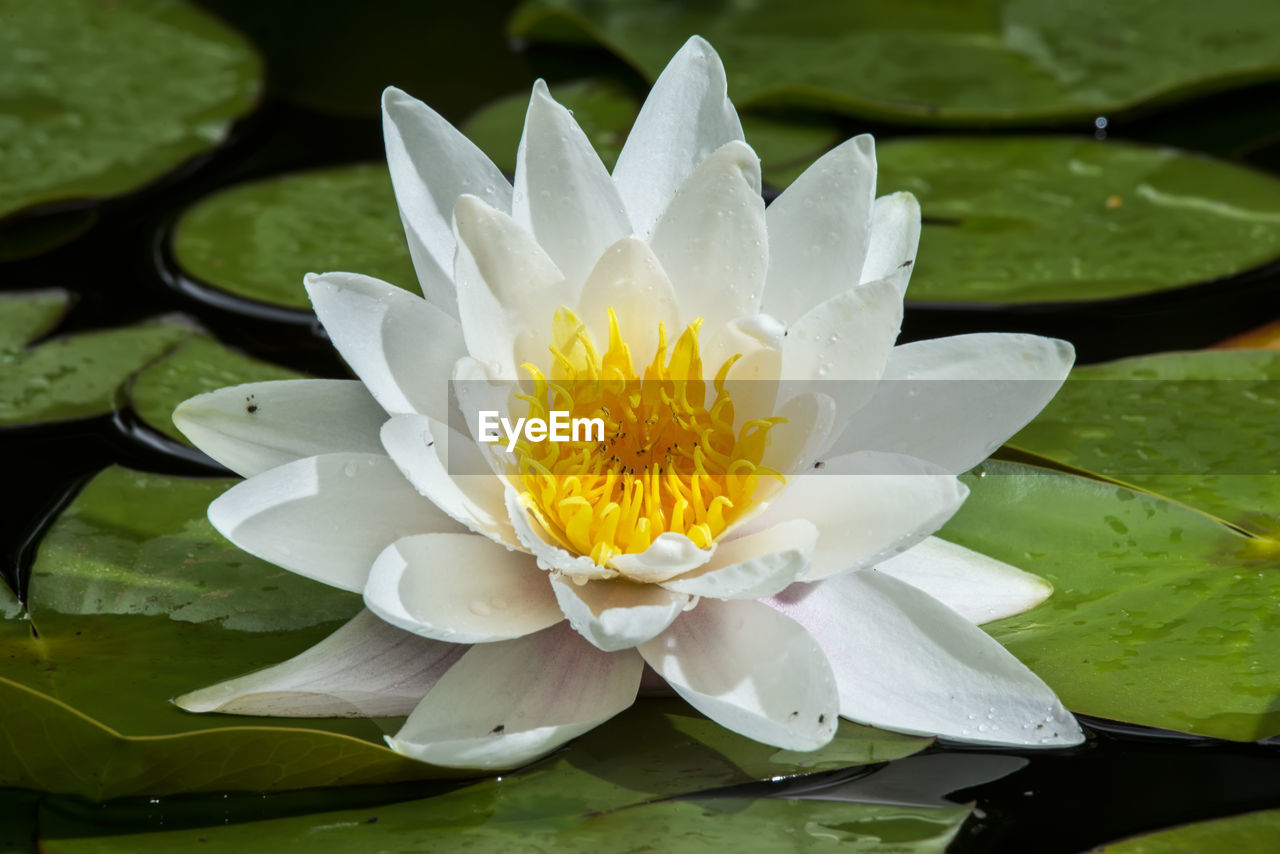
x,y
668,462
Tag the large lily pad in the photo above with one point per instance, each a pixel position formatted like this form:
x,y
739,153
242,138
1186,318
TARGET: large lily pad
x,y
1255,831
99,98
1160,615
25,316
530,812
606,110
76,376
941,62
196,366
258,240
1043,219
1199,428
134,599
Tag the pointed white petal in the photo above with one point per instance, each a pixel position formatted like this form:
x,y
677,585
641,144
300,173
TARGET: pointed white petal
x,y
257,426
617,614
508,289
983,387
686,117
753,566
629,279
906,662
867,507
505,704
367,669
402,347
840,347
669,555
563,194
551,557
428,453
326,517
750,669
977,587
712,241
431,165
895,234
460,588
819,229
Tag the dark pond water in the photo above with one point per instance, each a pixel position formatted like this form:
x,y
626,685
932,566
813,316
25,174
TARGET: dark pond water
x,y
327,65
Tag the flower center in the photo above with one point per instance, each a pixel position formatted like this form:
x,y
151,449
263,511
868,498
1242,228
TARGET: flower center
x,y
668,462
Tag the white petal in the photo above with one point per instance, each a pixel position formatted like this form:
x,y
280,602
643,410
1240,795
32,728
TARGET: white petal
x,y
367,668
669,555
840,347
906,662
507,703
867,507
977,587
686,117
753,379
427,453
819,229
431,165
983,387
629,279
326,517
750,669
755,565
460,588
563,194
508,289
402,347
551,557
895,234
617,614
712,240
257,426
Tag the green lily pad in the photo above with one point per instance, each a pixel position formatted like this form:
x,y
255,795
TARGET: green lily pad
x,y
258,240
529,813
134,599
938,62
1160,615
195,366
24,317
605,110
97,98
1043,219
1255,831
77,376
1198,428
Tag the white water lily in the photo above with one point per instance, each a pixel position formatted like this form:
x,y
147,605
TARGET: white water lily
x,y
779,573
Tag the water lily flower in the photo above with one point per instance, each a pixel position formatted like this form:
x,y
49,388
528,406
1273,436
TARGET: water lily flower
x,y
756,530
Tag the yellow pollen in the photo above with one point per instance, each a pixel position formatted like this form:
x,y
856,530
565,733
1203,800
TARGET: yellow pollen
x,y
668,461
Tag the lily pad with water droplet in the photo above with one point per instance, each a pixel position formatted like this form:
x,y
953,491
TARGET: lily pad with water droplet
x,y
605,110
1254,831
1199,428
938,62
97,99
1027,220
72,376
258,240
196,366
1160,615
135,599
